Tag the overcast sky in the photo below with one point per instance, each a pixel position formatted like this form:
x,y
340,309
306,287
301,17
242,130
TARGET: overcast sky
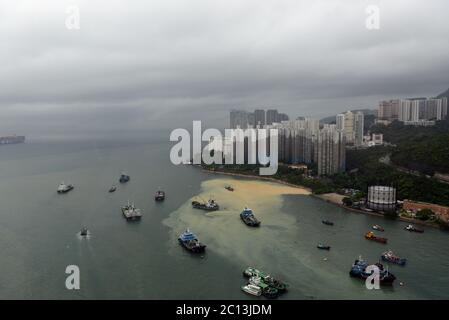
x,y
138,64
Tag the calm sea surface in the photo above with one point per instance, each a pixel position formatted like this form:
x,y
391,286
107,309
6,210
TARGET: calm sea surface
x,y
39,233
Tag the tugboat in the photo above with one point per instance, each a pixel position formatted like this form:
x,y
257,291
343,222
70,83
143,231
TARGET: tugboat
x,y
412,228
378,228
327,222
159,196
84,232
358,270
323,247
64,188
112,189
248,218
190,241
229,188
389,256
210,205
124,178
371,236
130,212
252,290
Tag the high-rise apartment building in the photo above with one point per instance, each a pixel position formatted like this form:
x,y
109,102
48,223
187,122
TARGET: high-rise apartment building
x,y
259,118
352,124
272,116
415,110
331,150
389,110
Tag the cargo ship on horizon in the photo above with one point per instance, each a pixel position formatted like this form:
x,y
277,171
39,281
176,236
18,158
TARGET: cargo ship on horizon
x,y
12,139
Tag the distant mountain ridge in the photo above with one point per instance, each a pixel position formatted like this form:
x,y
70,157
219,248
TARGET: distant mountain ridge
x,y
444,94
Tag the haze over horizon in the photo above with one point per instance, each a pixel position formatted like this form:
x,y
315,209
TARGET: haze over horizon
x,y
162,64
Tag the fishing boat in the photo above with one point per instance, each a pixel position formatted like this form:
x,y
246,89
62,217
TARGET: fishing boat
x,y
327,222
371,236
268,291
252,290
112,189
124,178
190,242
248,218
412,228
64,188
229,188
389,256
323,247
159,196
378,228
210,205
358,270
130,212
265,281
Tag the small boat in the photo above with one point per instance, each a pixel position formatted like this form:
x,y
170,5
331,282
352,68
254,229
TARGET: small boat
x,y
84,232
252,290
64,188
389,256
229,188
327,222
112,189
159,196
190,242
378,228
248,218
130,212
124,178
210,205
358,270
412,228
323,247
371,236
253,272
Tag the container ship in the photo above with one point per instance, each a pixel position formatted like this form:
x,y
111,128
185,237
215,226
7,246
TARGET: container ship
x,y
12,139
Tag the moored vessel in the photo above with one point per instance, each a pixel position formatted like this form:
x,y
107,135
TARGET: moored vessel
x,y
210,205
229,188
84,232
130,212
389,256
323,246
371,236
112,189
252,290
248,218
124,177
327,222
64,188
271,287
378,228
159,196
358,270
412,228
190,242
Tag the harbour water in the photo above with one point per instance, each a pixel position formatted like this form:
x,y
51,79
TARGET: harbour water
x,y
39,231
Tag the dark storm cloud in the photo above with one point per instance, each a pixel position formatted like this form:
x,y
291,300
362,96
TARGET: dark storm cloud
x,y
143,63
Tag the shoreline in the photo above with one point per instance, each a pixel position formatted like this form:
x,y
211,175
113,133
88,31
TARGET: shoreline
x,y
323,198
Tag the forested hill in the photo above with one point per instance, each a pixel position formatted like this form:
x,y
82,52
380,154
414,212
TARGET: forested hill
x,y
424,149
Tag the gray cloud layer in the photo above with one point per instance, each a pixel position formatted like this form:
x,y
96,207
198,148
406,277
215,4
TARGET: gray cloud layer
x,y
140,63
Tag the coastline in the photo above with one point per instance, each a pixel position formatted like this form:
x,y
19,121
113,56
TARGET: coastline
x,y
327,197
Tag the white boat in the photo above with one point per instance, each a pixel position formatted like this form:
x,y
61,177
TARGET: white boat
x,y
64,188
252,290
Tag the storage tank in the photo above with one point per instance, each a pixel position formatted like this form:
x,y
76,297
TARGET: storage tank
x,y
381,198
